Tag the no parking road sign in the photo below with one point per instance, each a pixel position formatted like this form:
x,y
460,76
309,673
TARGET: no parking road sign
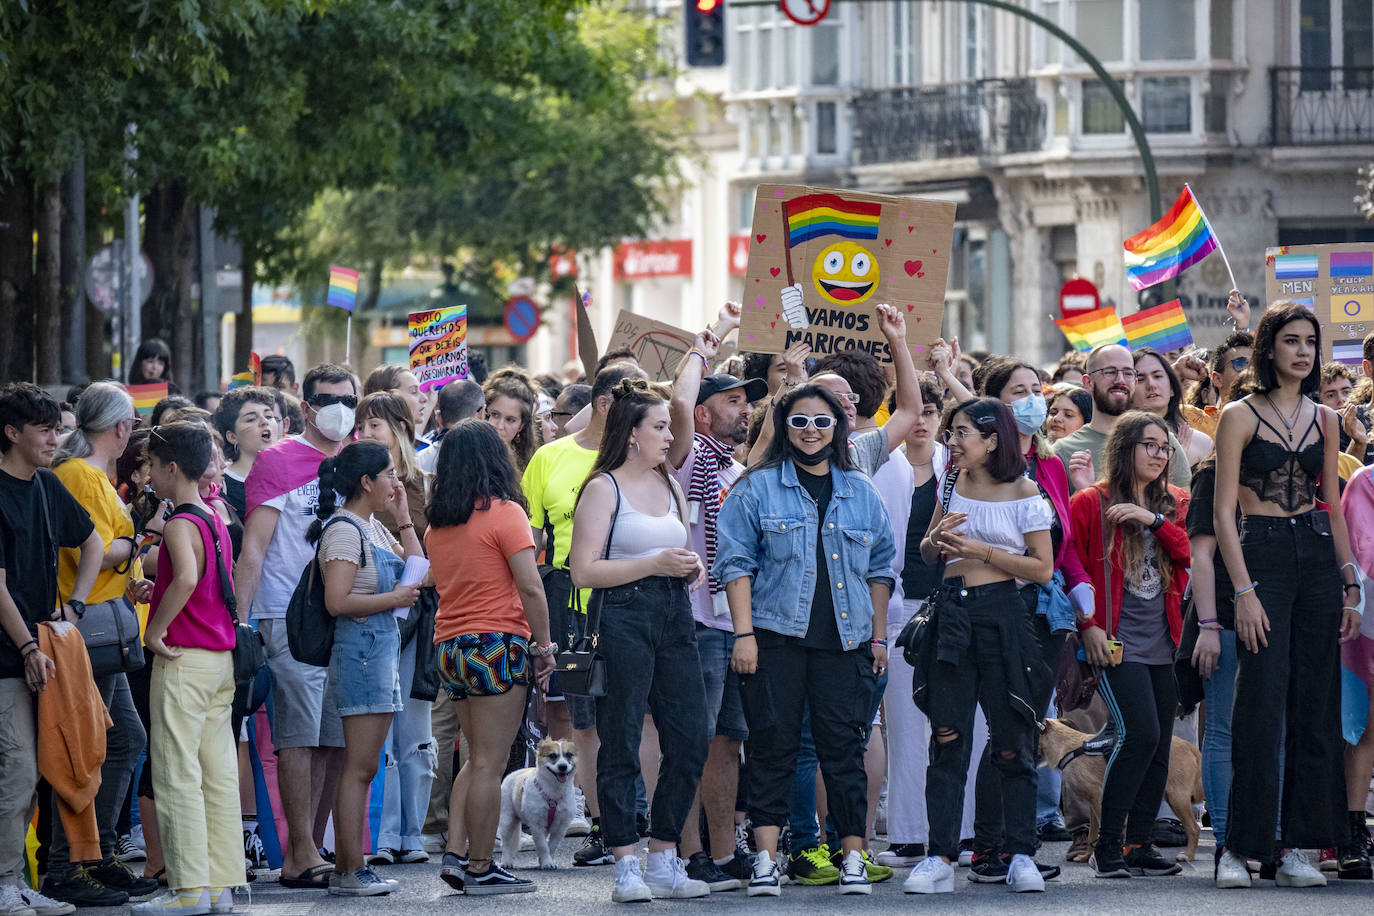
x,y
521,318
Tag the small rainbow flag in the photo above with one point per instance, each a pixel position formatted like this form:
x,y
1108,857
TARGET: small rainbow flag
x,y
1093,329
253,375
1163,327
812,216
146,396
1172,245
343,287
241,380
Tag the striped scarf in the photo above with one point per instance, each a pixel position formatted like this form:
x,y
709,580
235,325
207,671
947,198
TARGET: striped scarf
x,y
713,456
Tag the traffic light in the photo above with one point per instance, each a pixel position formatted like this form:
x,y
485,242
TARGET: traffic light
x,y
705,32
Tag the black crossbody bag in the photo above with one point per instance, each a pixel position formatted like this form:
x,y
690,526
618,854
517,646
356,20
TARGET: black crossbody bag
x,y
581,669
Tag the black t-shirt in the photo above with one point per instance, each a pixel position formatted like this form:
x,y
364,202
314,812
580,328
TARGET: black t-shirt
x,y
823,633
27,552
918,579
236,495
1199,522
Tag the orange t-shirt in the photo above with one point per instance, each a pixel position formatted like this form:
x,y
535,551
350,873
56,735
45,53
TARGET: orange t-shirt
x,y
477,592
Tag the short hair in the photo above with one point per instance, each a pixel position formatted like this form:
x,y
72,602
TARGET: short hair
x,y
329,374
477,366
1333,371
612,375
171,402
202,398
280,366
25,404
614,356
1263,377
1071,362
189,444
549,385
1094,352
1233,341
864,374
988,416
231,405
576,396
460,400
995,372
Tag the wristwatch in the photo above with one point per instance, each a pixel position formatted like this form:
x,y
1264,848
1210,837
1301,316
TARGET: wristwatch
x,y
78,606
544,651
1158,523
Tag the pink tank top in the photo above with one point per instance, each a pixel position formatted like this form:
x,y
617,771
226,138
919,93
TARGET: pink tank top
x,y
204,623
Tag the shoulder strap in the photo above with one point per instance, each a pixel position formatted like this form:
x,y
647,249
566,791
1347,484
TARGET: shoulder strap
x,y
226,584
47,515
606,551
947,488
1106,562
594,611
362,549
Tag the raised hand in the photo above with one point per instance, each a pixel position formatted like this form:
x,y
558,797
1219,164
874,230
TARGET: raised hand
x,y
892,323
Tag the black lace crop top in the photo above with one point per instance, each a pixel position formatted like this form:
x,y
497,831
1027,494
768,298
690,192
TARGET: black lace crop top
x,y
1284,475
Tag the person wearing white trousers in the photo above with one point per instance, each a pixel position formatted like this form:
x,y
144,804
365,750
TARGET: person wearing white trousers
x,y
411,758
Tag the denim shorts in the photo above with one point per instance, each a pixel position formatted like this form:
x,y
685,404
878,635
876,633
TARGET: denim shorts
x,y
364,666
483,664
724,712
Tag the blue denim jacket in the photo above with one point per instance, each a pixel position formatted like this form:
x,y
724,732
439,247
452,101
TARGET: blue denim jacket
x,y
767,530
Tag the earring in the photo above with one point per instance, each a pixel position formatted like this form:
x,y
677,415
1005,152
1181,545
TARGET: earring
x,y
636,445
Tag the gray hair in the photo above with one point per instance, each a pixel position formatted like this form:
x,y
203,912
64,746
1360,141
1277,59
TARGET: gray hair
x,y
103,406
459,400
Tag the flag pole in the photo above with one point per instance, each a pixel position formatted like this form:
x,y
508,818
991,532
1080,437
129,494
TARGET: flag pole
x,y
348,338
1220,250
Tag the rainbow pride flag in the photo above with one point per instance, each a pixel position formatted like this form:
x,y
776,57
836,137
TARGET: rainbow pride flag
x,y
1163,327
812,216
146,396
241,380
1172,245
252,376
1093,329
343,287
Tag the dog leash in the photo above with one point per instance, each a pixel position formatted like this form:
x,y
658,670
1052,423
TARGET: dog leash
x,y
550,803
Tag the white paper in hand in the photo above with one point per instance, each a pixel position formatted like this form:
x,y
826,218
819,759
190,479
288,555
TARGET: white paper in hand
x,y
413,574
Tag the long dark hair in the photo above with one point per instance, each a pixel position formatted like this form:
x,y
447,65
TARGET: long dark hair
x,y
989,415
632,399
343,474
1261,376
153,347
781,449
1118,474
1173,416
474,468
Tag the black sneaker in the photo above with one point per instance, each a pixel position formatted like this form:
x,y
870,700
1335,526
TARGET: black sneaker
x,y
1146,861
1107,861
1169,832
495,880
741,867
1353,863
901,855
79,888
1054,832
453,869
701,868
593,851
113,873
989,866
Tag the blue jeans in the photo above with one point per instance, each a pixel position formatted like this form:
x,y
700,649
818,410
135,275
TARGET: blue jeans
x,y
410,766
1219,691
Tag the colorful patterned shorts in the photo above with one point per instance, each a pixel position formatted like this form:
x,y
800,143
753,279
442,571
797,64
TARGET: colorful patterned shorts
x,y
483,664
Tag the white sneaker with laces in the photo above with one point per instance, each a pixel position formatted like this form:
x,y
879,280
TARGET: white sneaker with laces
x,y
175,903
932,875
1023,876
667,877
1297,870
579,825
11,904
1231,871
854,874
629,882
43,906
767,879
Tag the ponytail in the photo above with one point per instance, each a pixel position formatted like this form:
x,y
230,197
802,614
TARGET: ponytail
x,y
342,476
328,500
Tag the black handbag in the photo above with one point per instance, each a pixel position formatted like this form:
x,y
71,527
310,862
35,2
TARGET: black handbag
x,y
250,654
581,670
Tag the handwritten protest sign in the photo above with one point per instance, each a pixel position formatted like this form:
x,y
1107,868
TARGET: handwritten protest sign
x,y
821,259
439,346
1336,282
658,347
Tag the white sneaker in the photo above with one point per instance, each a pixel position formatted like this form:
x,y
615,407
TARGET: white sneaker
x,y
767,880
854,874
667,877
175,903
1296,870
966,858
41,905
932,875
1023,876
629,883
222,900
579,825
11,904
1231,871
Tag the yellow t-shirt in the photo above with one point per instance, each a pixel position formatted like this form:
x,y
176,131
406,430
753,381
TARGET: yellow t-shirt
x,y
91,488
551,483
881,417
1347,464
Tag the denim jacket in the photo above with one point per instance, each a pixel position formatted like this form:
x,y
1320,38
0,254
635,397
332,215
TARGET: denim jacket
x,y
767,530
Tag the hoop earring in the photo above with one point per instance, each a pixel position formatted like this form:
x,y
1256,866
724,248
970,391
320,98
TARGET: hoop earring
x,y
636,445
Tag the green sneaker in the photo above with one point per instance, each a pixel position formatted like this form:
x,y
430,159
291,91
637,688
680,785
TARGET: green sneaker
x,y
812,867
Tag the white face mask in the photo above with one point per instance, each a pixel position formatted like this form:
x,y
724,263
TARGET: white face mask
x,y
335,421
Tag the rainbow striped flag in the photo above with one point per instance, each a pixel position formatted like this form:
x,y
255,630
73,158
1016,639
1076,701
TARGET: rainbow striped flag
x,y
812,216
343,287
146,396
252,376
241,380
1093,329
1172,245
1163,327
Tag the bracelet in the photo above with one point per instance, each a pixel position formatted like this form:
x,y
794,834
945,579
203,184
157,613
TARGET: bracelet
x,y
405,526
702,356
1203,620
742,635
1249,588
1349,608
879,642
31,642
1214,627
988,561
1349,585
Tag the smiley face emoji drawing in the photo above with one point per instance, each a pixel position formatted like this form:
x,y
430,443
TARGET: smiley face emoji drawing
x,y
846,273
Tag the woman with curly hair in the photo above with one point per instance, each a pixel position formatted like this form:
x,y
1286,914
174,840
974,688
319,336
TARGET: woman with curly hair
x,y
511,404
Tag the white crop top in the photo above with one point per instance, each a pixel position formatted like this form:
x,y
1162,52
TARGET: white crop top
x,y
1003,525
638,535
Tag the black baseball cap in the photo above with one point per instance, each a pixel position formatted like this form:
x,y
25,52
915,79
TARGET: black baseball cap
x,y
754,389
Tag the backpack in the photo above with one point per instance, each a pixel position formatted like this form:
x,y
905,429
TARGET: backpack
x,y
309,625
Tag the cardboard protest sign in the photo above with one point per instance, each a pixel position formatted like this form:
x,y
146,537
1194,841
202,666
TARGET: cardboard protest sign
x,y
439,345
821,259
1336,282
657,346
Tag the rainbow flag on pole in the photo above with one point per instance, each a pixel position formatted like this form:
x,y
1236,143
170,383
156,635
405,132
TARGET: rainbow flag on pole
x,y
146,396
814,215
1093,329
1163,327
343,287
1172,245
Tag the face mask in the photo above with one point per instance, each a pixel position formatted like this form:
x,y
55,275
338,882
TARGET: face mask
x,y
334,422
812,460
1029,412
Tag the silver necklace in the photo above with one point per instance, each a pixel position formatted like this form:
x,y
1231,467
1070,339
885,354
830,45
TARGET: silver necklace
x,y
1284,420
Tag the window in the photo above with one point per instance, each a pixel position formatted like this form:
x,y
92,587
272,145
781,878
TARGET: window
x,y
758,133
1100,112
794,120
1053,46
1357,43
1099,26
825,128
742,56
905,43
1223,28
763,67
1166,104
775,121
1314,44
1167,30
976,45
825,55
787,50
746,207
1214,104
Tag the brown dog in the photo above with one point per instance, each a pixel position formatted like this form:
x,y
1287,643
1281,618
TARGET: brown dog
x,y
1083,777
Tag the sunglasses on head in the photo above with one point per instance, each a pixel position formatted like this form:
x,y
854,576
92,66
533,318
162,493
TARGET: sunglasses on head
x,y
324,400
1239,363
802,421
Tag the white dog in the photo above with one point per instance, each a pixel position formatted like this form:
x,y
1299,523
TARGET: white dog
x,y
541,797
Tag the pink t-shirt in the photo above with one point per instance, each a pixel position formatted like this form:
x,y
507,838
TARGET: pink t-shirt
x,y
204,622
704,606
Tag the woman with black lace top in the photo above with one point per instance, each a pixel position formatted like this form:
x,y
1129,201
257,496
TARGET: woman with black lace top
x,y
1296,599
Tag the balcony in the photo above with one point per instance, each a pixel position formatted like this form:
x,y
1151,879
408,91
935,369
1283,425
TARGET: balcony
x,y
981,118
1321,105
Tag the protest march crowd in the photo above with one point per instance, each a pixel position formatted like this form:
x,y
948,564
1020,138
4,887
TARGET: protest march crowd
x,y
754,615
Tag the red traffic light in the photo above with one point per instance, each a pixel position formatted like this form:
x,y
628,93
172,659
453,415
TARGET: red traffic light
x,y
707,6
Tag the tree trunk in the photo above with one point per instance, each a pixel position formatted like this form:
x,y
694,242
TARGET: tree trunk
x,y
74,272
169,240
243,323
48,283
16,277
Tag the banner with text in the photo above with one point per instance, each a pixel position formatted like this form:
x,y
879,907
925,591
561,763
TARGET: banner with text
x,y
1336,282
439,346
657,346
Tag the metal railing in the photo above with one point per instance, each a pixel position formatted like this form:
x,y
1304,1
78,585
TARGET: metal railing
x,y
1321,105
981,118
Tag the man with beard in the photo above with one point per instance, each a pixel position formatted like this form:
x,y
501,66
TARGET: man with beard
x,y
710,419
1110,379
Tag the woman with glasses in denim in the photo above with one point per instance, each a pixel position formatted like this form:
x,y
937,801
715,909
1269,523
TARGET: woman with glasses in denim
x,y
804,548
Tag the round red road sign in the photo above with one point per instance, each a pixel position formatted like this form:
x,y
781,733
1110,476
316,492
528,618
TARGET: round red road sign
x,y
521,318
805,12
1077,296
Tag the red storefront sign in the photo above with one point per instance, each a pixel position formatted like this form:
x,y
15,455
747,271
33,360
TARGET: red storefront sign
x,y
738,255
642,260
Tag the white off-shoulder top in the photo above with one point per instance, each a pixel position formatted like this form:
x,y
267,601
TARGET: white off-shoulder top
x,y
1003,525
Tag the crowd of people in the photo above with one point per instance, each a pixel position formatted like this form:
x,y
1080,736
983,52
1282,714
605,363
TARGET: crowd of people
x,y
829,595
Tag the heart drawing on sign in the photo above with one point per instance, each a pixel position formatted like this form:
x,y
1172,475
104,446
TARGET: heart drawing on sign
x,y
772,324
913,269
910,228
761,236
775,270
887,242
760,300
910,308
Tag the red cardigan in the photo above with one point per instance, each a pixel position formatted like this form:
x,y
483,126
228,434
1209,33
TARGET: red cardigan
x,y
1084,507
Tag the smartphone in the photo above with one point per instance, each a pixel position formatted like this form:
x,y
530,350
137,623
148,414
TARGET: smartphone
x,y
1114,648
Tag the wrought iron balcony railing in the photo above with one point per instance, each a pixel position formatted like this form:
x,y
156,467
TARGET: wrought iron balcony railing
x,y
981,118
1321,105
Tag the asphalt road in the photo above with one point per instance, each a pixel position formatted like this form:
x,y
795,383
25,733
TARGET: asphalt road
x,y
1076,891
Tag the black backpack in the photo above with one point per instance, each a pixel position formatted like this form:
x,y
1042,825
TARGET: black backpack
x,y
309,625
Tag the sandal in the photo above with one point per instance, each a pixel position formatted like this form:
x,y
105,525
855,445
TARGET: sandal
x,y
316,878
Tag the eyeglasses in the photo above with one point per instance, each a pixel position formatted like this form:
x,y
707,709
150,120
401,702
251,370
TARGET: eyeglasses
x,y
389,475
1154,449
325,400
1111,373
960,434
849,396
561,413
802,421
1239,363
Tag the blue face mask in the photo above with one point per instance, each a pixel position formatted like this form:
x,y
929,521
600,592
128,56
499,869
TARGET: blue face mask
x,y
1030,413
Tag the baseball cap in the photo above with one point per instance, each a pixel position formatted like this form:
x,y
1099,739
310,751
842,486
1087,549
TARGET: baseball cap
x,y
754,388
